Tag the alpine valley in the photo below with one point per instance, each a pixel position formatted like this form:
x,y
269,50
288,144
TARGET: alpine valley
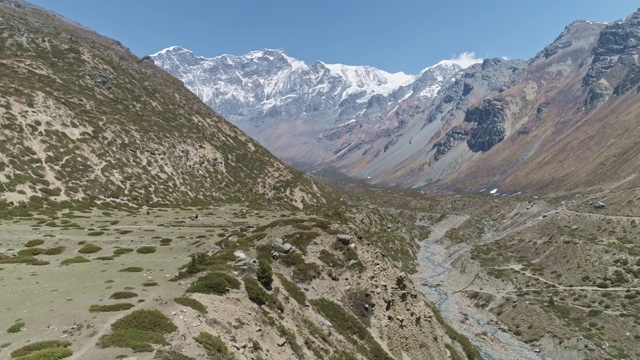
x,y
481,209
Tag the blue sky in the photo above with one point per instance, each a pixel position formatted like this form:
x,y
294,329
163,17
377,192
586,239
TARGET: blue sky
x,y
399,35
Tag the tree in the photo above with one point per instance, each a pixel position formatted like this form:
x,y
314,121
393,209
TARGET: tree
x,y
265,274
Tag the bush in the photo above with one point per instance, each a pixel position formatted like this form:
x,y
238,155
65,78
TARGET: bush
x,y
55,250
107,258
145,320
331,259
32,243
259,296
165,242
31,251
192,303
146,250
89,249
110,307
214,346
293,290
350,327
132,269
40,346
138,330
95,233
123,295
150,283
214,283
122,251
15,327
265,274
75,260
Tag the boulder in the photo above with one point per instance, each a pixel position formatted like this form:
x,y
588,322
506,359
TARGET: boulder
x,y
599,205
240,255
345,239
288,248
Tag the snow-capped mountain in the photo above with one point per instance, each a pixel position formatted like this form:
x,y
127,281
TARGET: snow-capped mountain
x,y
268,93
269,83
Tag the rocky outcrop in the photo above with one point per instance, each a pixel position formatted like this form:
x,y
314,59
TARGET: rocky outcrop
x,y
453,137
617,47
489,119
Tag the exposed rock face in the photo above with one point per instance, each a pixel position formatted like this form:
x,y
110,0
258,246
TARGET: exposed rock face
x,y
452,139
617,47
489,119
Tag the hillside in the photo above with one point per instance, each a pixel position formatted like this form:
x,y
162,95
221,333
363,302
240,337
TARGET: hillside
x,y
83,119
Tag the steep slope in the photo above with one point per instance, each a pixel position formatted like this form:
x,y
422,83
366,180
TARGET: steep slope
x,y
84,119
572,126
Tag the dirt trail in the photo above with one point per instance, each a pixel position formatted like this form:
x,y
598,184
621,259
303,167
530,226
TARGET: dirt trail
x,y
518,268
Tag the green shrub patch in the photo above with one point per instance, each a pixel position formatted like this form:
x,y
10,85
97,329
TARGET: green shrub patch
x,y
192,303
146,250
89,249
41,347
110,307
214,283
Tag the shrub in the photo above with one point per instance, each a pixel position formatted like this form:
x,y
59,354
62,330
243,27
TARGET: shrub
x,y
123,295
55,250
75,260
214,346
306,272
122,251
331,259
107,258
192,303
150,283
15,327
132,269
40,346
146,250
214,283
110,307
31,251
265,274
145,320
293,290
95,233
138,330
259,296
350,327
165,242
89,249
32,243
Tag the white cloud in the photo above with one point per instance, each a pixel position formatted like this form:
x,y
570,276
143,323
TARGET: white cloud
x,y
464,60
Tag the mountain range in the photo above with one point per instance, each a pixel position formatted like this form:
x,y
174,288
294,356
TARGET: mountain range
x,y
499,123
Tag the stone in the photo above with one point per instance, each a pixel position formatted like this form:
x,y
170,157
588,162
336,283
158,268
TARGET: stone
x,y
240,255
599,205
345,239
281,342
288,248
